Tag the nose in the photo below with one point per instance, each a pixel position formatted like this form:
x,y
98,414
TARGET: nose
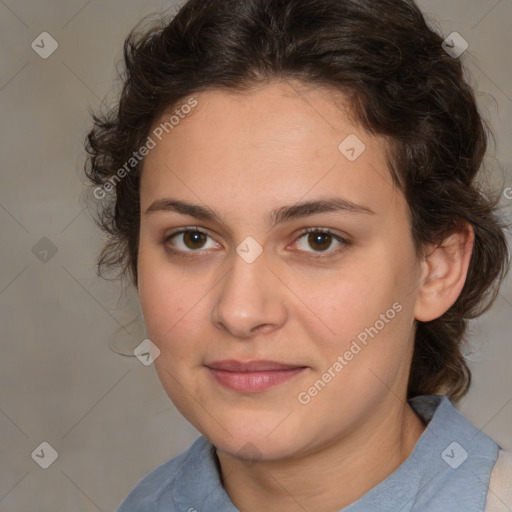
x,y
251,299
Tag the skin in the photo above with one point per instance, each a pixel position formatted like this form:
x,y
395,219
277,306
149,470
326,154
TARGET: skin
x,y
243,155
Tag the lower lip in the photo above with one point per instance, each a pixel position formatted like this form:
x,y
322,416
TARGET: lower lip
x,y
253,382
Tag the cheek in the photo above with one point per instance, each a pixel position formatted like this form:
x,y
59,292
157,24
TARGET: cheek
x,y
167,315
359,314
343,303
165,299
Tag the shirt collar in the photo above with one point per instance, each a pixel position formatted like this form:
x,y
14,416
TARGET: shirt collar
x,y
451,458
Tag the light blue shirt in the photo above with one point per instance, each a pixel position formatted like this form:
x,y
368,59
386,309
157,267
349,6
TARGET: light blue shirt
x,y
448,470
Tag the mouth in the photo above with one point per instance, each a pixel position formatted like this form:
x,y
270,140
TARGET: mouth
x,y
252,376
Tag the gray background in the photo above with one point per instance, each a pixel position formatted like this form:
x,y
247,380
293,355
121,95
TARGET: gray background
x,y
106,414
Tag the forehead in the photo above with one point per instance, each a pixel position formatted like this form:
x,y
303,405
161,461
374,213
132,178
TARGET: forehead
x,y
281,141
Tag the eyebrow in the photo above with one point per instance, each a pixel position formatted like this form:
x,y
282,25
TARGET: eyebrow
x,y
277,216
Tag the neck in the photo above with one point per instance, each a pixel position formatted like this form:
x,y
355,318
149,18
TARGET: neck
x,y
339,473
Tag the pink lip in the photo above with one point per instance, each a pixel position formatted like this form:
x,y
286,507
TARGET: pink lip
x,y
253,376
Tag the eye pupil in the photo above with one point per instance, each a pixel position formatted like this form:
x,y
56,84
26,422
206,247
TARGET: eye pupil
x,y
322,239
195,237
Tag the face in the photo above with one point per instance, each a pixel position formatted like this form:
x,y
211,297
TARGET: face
x,y
234,267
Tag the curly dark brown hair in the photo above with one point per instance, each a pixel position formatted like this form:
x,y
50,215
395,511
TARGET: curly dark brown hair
x,y
402,85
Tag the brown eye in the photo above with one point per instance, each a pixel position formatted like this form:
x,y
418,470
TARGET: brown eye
x,y
188,241
194,239
320,241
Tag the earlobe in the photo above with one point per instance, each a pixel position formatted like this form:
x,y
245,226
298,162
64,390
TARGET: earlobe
x,y
445,271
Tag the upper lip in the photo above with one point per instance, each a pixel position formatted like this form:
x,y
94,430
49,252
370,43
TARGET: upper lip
x,y
250,366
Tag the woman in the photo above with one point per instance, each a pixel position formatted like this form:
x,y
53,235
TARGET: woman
x,y
295,202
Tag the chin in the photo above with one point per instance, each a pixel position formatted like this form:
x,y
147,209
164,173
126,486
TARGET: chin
x,y
253,442
253,449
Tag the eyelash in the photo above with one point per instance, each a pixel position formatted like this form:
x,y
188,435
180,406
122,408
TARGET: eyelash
x,y
319,254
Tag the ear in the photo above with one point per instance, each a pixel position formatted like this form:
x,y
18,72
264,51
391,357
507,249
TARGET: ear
x,y
444,273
